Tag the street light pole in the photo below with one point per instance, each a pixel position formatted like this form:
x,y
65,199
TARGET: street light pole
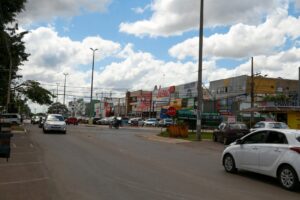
x,y
66,74
91,105
200,96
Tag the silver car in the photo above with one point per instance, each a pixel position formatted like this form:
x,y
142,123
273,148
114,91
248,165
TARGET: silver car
x,y
55,122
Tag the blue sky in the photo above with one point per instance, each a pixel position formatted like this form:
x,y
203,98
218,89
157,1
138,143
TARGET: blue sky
x,y
143,43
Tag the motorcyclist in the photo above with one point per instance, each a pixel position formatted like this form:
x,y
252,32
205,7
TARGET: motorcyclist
x,y
115,123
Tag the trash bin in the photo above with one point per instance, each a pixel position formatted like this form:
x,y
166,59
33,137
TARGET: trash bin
x,y
5,145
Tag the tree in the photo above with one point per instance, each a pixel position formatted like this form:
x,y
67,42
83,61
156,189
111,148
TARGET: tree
x,y
32,90
12,55
12,51
58,108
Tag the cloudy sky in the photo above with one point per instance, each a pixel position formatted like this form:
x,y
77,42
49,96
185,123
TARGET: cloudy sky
x,y
143,43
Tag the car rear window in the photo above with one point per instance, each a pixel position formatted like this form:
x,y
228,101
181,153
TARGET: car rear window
x,y
237,126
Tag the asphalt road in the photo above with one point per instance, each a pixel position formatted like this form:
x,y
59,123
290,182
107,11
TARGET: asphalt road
x,y
92,163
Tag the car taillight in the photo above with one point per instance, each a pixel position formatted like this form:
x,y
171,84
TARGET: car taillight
x,y
296,149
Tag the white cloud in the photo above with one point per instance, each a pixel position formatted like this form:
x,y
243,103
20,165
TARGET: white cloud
x,y
140,10
39,10
52,55
244,40
173,17
140,70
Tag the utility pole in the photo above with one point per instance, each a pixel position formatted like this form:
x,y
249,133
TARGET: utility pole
x,y
298,88
57,92
252,92
91,101
200,96
65,74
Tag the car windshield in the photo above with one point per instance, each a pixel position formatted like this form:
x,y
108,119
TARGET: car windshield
x,y
278,125
168,120
55,118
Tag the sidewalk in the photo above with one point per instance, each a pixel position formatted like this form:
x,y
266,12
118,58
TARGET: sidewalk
x,y
24,176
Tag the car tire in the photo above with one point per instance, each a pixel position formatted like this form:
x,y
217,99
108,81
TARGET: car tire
x,y
44,131
288,178
229,164
215,139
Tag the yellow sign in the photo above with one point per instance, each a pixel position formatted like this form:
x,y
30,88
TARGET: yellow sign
x,y
294,120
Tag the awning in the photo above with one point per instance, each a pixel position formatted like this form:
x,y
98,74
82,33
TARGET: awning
x,y
276,109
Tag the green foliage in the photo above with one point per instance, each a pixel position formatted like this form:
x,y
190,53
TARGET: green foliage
x,y
33,91
9,10
58,108
276,98
12,55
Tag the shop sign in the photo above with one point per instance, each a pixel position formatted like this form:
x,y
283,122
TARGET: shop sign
x,y
171,111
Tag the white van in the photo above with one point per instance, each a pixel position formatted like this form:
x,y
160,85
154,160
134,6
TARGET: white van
x,y
11,118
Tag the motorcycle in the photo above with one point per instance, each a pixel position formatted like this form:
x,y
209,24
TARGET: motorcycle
x,y
114,124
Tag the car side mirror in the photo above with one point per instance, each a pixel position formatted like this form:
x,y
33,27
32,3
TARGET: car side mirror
x,y
239,141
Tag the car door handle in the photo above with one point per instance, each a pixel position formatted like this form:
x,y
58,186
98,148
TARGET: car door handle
x,y
254,148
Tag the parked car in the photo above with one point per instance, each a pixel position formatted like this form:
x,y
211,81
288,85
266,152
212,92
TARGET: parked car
x,y
104,121
269,124
10,118
165,122
95,119
136,121
229,132
151,122
55,122
72,120
272,152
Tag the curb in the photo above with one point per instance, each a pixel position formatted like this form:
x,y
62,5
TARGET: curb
x,y
163,139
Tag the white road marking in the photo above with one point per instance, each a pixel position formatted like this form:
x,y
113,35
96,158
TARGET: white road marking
x,y
24,181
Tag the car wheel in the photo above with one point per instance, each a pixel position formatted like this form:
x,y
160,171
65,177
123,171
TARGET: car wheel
x,y
229,164
44,131
288,177
215,138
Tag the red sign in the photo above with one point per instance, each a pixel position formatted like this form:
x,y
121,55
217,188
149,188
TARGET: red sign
x,y
171,111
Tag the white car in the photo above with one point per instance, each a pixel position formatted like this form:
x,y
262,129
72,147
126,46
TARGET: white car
x,y
55,122
272,152
10,118
151,122
269,124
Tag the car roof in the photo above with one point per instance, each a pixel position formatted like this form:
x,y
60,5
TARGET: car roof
x,y
291,134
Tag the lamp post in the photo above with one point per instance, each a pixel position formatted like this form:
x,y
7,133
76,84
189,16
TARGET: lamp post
x,y
200,96
91,105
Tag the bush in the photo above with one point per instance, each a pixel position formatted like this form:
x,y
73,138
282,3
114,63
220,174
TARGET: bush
x,y
178,131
